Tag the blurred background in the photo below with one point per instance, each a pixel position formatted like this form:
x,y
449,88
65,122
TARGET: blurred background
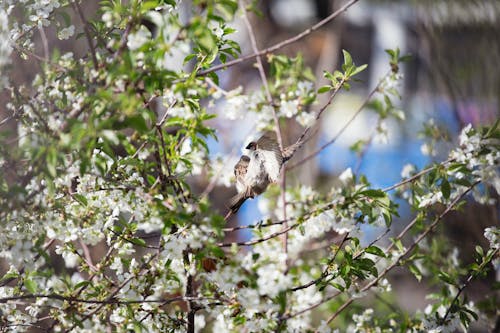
x,y
453,78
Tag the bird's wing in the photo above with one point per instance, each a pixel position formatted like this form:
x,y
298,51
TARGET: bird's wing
x,y
240,171
268,142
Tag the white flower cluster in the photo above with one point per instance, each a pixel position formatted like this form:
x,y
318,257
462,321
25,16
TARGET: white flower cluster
x,y
235,104
41,9
361,321
492,234
138,38
407,171
291,104
66,33
483,166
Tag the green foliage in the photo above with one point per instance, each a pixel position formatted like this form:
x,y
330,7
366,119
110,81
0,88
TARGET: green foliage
x,y
340,79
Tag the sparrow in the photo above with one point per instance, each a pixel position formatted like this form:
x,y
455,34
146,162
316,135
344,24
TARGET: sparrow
x,y
260,168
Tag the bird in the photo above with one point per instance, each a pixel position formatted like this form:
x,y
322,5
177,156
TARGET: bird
x,y
261,167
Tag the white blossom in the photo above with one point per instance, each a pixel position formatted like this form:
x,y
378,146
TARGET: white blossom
x,y
138,38
408,170
427,149
492,234
430,198
107,18
306,119
289,109
235,104
346,176
66,32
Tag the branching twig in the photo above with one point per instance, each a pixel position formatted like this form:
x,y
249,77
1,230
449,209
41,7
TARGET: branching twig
x,y
342,130
429,229
465,284
282,44
260,240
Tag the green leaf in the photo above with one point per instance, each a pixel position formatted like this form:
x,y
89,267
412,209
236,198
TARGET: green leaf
x,y
373,193
214,77
375,250
445,188
136,122
30,285
358,146
445,277
137,241
359,69
10,275
189,57
328,75
347,58
52,161
415,271
80,198
479,250
324,89
82,284
217,251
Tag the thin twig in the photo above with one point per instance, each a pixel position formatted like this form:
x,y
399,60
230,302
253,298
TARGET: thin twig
x,y
87,256
260,224
417,175
262,74
324,274
86,30
282,44
114,293
260,240
37,57
45,43
346,125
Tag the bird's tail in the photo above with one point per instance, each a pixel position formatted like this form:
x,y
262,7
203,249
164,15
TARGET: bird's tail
x,y
236,202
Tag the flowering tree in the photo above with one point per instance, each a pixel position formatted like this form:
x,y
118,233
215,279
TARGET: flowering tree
x,y
101,231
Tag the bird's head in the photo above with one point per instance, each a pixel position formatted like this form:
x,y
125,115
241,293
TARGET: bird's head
x,y
251,146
